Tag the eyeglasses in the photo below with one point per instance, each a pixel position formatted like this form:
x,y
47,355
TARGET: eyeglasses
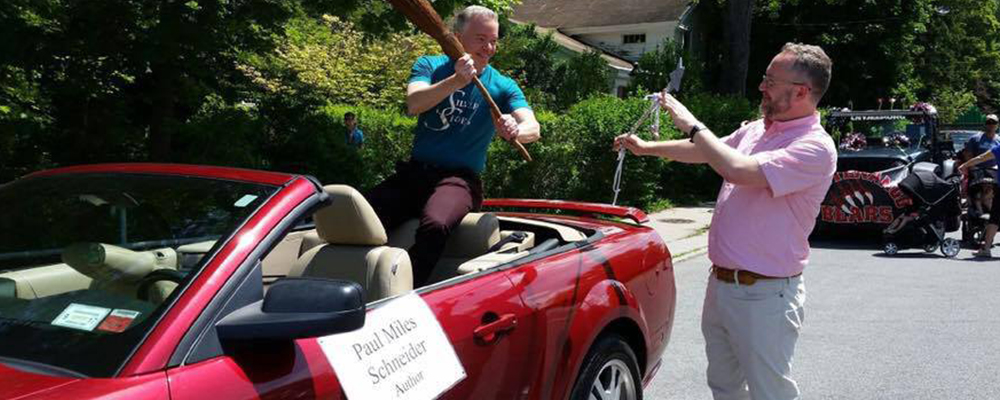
x,y
991,122
769,82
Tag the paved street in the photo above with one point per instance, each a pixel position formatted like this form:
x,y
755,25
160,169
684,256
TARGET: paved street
x,y
914,326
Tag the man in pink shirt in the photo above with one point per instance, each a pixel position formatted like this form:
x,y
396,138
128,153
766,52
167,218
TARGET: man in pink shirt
x,y
777,171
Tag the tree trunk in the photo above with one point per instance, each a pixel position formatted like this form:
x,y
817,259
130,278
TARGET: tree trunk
x,y
736,55
162,114
165,80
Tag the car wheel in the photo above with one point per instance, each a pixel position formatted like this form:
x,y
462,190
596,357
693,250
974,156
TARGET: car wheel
x,y
890,249
610,372
931,247
950,247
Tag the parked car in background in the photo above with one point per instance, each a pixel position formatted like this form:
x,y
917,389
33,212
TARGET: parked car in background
x,y
958,137
876,150
185,282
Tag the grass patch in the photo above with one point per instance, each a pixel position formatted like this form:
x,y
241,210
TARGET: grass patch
x,y
660,205
699,232
682,255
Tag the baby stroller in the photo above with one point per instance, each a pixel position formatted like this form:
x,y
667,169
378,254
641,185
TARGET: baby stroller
x,y
936,210
979,199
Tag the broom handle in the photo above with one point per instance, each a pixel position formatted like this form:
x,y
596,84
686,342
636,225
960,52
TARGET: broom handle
x,y
495,111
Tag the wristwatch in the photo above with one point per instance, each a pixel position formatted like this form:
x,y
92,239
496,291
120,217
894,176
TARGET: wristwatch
x,y
694,130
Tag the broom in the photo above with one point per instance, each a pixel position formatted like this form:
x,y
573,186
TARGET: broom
x,y
420,13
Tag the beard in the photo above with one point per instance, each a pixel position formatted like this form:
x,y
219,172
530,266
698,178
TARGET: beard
x,y
775,105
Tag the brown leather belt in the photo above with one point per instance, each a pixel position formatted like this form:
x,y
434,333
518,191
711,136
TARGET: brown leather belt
x,y
745,277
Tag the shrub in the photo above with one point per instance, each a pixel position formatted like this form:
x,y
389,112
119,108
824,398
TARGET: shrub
x,y
319,146
331,60
221,134
573,161
723,114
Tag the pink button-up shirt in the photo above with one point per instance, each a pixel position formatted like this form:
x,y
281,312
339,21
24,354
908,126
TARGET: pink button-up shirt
x,y
766,229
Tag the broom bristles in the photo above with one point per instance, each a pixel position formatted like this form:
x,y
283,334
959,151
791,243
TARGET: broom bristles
x,y
421,14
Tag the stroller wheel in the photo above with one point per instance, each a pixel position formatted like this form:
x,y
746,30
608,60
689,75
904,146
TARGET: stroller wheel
x,y
890,249
931,247
950,247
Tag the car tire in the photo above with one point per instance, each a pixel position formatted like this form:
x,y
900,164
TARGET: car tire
x,y
610,367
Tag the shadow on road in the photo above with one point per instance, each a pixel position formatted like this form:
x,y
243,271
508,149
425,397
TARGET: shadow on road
x,y
846,244
917,254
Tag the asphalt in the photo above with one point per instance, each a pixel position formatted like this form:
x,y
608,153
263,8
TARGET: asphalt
x,y
912,326
684,229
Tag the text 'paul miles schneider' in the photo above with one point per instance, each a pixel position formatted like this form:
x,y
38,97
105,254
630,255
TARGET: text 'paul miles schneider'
x,y
389,365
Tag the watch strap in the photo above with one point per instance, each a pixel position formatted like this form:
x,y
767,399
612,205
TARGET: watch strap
x,y
694,130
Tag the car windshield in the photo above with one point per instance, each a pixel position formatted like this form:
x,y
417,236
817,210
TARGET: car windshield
x,y
89,261
960,137
856,134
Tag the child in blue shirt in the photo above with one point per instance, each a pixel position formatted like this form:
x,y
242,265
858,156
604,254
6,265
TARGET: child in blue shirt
x,y
355,138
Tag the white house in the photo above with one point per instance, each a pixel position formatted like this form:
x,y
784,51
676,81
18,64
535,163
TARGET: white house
x,y
622,29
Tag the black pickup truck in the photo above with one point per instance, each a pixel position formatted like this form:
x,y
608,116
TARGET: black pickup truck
x,y
875,151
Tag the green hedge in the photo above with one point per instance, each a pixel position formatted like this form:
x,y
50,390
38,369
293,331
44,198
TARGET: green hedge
x,y
573,160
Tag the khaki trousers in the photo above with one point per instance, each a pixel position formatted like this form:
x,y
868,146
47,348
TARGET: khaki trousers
x,y
750,334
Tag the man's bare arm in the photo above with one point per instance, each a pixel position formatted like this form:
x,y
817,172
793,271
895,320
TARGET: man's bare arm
x,y
528,129
422,96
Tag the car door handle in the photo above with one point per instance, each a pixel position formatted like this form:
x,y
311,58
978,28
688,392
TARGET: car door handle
x,y
490,332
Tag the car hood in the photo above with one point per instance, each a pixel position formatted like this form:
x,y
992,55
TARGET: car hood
x,y
882,152
17,384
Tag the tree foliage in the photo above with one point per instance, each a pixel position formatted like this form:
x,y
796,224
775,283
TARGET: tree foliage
x,y
652,71
914,50
551,80
329,60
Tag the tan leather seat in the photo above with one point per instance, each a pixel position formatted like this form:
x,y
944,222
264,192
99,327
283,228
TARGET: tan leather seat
x,y
354,248
473,237
119,270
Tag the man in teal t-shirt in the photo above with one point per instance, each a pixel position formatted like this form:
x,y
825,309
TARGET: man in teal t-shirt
x,y
440,184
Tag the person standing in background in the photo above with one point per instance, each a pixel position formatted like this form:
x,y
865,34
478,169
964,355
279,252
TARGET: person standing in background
x,y
355,138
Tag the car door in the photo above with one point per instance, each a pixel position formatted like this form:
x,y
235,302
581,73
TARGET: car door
x,y
481,315
291,370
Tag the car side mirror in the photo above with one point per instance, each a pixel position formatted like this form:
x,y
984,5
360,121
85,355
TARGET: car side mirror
x,y
296,308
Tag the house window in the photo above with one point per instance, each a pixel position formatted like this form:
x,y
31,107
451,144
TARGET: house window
x,y
634,39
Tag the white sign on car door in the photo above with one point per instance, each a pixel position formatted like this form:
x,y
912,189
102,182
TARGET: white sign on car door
x,y
400,353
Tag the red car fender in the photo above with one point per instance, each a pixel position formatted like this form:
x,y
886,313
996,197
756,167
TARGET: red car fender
x,y
607,302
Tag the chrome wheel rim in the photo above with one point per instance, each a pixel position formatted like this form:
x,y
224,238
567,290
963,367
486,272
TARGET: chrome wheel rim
x,y
614,382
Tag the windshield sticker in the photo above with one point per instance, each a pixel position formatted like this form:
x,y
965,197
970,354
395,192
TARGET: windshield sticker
x,y
82,317
245,200
118,321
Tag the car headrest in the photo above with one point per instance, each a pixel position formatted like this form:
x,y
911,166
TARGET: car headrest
x,y
349,219
109,263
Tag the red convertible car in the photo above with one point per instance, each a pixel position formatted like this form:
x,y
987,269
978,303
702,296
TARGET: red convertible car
x,y
148,281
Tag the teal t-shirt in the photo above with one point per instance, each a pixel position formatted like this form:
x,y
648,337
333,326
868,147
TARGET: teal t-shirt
x,y
457,132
